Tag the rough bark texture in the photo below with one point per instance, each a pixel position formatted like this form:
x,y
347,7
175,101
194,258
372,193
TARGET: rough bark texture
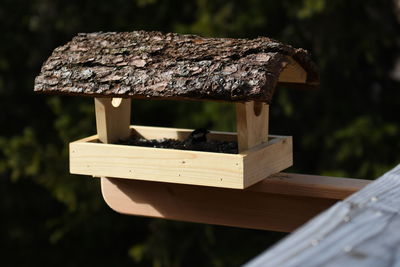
x,y
157,65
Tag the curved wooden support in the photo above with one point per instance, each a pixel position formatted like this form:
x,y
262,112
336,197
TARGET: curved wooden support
x,y
281,202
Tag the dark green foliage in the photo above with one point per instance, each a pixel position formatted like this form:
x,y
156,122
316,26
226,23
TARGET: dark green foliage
x,y
48,217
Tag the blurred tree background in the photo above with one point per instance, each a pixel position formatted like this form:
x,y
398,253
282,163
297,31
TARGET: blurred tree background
x,y
350,127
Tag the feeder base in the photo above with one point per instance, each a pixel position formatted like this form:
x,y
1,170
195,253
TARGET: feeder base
x,y
89,156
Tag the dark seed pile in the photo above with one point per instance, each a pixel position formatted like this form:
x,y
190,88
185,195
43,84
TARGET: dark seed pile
x,y
209,146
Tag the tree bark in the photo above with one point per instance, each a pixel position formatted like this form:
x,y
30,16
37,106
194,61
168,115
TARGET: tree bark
x,y
155,65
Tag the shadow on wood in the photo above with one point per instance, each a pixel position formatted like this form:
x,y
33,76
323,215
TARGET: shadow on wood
x,y
280,203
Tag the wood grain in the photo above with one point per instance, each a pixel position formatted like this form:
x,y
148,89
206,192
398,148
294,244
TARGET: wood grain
x,y
112,119
90,157
279,203
151,132
310,185
261,163
361,230
157,164
293,73
251,124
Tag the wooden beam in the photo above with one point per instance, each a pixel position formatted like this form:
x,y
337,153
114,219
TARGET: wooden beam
x,y
251,124
113,117
89,157
280,203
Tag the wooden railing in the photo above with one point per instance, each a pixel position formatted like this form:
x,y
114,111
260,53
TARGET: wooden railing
x,y
362,230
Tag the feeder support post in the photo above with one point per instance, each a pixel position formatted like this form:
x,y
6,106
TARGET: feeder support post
x,y
251,124
113,116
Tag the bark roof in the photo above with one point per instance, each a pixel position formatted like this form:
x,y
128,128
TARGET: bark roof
x,y
156,65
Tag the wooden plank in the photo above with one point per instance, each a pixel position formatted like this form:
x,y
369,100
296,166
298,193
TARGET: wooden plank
x,y
310,185
112,119
89,157
157,164
260,163
279,203
151,132
293,73
251,124
362,230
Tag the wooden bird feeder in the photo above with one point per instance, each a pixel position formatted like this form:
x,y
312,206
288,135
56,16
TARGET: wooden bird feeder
x,y
115,67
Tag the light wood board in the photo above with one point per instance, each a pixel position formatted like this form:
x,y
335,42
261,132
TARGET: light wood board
x,y
89,157
282,202
293,73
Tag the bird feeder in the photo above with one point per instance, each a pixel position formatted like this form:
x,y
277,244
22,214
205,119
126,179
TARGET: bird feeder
x,y
115,67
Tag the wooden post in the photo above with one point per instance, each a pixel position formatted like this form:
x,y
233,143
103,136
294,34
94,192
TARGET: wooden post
x,y
113,117
251,124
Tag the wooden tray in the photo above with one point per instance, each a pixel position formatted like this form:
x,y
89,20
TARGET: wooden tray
x,y
88,156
